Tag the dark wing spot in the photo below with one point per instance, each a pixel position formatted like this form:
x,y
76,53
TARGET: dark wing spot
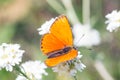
x,y
41,46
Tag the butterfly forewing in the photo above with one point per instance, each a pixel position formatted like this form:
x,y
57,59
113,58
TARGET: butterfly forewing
x,y
50,43
61,29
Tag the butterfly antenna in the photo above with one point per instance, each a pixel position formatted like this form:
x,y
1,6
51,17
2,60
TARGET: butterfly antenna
x,y
80,38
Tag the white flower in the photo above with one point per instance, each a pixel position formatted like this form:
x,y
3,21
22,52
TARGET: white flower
x,y
46,26
79,66
33,70
85,36
10,55
20,77
113,20
70,67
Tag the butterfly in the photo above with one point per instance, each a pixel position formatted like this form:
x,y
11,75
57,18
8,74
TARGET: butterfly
x,y
57,45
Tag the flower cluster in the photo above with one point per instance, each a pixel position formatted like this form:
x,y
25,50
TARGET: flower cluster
x,y
10,55
113,20
46,26
85,36
70,67
33,70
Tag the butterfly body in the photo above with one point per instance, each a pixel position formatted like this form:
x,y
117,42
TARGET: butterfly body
x,y
57,45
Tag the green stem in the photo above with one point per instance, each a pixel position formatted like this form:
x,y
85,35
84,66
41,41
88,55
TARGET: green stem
x,y
56,6
70,11
86,11
102,70
17,68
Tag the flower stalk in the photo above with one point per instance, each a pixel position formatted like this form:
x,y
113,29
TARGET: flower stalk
x,y
56,6
86,11
17,68
70,11
102,71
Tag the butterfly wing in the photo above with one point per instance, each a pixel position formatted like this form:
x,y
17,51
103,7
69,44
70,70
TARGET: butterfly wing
x,y
61,29
50,43
56,60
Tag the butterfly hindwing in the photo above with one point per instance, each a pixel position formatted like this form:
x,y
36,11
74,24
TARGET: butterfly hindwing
x,y
54,61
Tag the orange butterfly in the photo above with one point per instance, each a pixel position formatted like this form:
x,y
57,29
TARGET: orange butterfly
x,y
58,44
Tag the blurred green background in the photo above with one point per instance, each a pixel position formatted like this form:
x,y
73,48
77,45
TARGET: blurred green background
x,y
19,20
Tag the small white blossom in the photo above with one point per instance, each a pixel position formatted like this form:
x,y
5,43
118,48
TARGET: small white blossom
x,y
10,55
113,20
20,77
85,36
70,67
33,69
46,26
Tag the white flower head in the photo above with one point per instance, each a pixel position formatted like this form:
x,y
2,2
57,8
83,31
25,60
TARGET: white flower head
x,y
45,28
85,36
10,55
33,69
20,77
70,67
113,20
